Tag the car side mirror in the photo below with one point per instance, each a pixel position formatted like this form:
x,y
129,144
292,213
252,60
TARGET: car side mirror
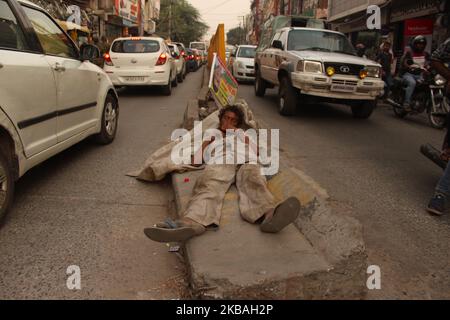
x,y
89,52
277,44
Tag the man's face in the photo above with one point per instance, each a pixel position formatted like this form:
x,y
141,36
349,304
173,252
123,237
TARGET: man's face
x,y
420,47
229,121
387,47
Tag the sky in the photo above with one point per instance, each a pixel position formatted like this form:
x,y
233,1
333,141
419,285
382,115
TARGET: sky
x,y
221,11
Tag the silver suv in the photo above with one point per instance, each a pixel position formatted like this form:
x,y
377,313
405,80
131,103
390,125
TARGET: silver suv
x,y
317,65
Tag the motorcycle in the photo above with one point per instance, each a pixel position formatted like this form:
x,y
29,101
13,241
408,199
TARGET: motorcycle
x,y
428,96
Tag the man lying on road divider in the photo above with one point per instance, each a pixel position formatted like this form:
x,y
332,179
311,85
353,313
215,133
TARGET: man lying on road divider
x,y
256,203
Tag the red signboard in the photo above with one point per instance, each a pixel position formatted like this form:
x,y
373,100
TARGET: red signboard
x,y
415,27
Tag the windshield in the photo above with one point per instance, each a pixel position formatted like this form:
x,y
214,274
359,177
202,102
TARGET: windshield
x,y
135,46
198,45
246,52
319,41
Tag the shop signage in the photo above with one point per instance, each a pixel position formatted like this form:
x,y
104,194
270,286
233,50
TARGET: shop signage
x,y
418,8
128,9
415,27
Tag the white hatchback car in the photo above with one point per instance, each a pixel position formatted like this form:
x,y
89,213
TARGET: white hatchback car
x,y
244,63
179,62
51,95
141,61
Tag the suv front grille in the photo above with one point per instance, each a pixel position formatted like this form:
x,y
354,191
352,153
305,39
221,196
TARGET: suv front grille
x,y
345,68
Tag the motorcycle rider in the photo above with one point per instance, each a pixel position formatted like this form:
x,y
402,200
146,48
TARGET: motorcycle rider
x,y
413,64
438,204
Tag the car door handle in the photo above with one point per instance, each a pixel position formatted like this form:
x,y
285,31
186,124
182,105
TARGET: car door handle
x,y
59,67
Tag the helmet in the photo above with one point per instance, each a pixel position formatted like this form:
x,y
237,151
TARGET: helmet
x,y
418,40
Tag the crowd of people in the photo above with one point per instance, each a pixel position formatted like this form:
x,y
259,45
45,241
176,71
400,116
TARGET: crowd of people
x,y
414,64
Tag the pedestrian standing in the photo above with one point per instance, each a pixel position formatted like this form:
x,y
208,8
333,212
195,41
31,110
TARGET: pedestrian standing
x,y
385,58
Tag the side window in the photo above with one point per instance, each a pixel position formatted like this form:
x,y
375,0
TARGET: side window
x,y
51,37
275,37
11,35
283,39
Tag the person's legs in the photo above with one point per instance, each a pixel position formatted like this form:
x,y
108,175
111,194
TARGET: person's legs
x,y
255,199
409,90
257,203
389,83
204,209
438,203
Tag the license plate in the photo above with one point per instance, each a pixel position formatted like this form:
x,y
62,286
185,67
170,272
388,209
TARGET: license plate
x,y
342,88
135,78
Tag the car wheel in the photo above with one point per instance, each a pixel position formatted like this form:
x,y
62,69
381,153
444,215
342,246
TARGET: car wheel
x,y
175,82
364,109
287,98
167,89
260,85
180,77
7,184
110,120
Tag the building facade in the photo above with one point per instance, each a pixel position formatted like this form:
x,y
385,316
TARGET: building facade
x,y
263,10
401,20
105,18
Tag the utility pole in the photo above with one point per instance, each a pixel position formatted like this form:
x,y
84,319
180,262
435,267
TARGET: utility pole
x,y
170,19
241,29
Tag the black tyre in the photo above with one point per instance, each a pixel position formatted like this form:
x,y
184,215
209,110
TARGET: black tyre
x,y
175,82
6,186
110,121
180,77
167,89
260,85
287,98
363,110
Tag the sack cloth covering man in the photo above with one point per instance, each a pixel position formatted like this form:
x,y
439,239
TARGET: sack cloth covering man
x,y
256,203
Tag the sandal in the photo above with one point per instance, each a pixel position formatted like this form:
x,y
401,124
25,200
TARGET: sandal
x,y
285,214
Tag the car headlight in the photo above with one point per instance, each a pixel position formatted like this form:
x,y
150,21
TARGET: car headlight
x,y
312,66
373,72
439,80
240,65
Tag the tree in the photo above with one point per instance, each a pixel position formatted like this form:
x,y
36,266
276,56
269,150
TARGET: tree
x,y
186,26
236,36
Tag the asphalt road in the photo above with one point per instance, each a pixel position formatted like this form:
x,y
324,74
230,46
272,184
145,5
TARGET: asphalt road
x,y
80,209
372,170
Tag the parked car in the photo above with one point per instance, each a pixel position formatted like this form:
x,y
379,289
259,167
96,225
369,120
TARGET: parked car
x,y
191,62
197,58
182,50
179,62
243,63
141,61
317,65
198,45
51,95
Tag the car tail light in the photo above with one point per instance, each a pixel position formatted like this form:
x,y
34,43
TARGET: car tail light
x,y
162,59
198,58
107,59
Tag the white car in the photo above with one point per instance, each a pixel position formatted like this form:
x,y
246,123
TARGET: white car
x,y
179,62
51,95
141,61
244,63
